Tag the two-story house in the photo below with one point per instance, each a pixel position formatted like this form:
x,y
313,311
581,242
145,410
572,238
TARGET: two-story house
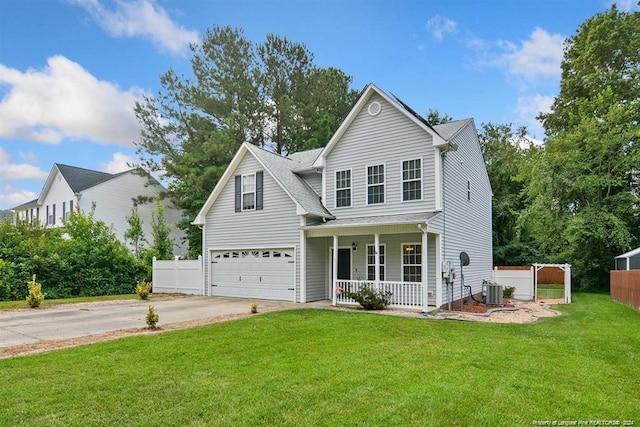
x,y
109,196
387,202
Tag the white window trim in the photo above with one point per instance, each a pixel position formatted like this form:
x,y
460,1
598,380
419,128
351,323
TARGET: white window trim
x,y
367,185
402,264
350,188
242,192
402,181
383,265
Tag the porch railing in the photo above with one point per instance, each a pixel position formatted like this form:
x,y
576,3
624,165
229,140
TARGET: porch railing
x,y
403,294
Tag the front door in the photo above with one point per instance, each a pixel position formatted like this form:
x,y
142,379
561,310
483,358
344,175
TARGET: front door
x,y
344,264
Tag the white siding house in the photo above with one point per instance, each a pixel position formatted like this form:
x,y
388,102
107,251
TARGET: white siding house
x,y
386,202
110,196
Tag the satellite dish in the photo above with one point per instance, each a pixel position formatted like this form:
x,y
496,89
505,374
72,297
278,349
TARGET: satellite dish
x,y
464,259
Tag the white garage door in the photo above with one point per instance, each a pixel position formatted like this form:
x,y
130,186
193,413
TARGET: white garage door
x,y
256,273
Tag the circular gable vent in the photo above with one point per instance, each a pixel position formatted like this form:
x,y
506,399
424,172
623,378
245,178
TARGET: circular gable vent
x,y
374,108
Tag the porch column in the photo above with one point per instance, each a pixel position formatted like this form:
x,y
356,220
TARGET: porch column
x,y
303,264
567,283
334,268
376,239
425,269
438,249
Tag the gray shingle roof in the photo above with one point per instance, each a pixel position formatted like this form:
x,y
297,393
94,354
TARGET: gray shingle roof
x,y
449,130
303,161
30,203
80,179
282,169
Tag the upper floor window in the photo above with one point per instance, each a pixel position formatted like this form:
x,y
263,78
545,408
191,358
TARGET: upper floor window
x,y
412,180
375,184
343,188
248,192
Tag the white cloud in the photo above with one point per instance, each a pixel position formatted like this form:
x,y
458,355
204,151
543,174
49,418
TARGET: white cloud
x,y
65,101
119,163
624,5
529,107
12,196
142,18
438,26
540,56
10,170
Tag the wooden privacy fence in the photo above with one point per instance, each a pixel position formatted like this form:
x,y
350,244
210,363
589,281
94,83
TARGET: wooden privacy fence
x,y
178,276
625,287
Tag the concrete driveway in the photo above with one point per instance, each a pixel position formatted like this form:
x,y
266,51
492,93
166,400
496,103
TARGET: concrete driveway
x,y
64,322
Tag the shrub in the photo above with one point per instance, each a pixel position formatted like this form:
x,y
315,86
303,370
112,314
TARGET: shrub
x,y
152,318
35,297
143,288
254,308
369,298
507,291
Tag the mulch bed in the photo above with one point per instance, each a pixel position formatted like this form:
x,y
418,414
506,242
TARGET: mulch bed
x,y
476,307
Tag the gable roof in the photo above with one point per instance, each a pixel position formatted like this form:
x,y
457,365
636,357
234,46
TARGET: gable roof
x,y
367,93
282,169
80,178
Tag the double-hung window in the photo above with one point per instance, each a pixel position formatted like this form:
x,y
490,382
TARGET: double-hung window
x,y
343,188
248,192
412,180
375,184
371,262
411,262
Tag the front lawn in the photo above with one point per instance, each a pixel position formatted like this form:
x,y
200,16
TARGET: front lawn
x,y
5,305
321,367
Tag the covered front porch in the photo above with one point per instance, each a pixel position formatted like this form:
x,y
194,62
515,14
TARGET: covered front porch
x,y
398,254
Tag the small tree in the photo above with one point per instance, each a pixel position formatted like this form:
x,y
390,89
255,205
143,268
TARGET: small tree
x,y
162,247
135,234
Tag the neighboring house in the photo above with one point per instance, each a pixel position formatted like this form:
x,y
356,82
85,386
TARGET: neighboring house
x,y
629,260
306,226
111,195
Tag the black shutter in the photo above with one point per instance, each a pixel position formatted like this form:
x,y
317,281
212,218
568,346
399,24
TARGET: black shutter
x,y
259,190
238,193
54,213
70,206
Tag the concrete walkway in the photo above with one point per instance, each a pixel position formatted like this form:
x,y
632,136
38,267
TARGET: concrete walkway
x,y
63,322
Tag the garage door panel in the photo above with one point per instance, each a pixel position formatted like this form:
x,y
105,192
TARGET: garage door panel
x,y
254,273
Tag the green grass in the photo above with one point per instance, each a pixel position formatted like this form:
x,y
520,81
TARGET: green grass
x,y
5,305
551,291
321,367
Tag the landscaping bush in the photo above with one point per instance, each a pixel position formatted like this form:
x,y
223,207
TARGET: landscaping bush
x,y
507,291
143,288
83,258
35,296
369,298
152,318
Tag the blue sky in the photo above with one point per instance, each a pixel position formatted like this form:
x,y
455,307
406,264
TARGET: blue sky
x,y
70,70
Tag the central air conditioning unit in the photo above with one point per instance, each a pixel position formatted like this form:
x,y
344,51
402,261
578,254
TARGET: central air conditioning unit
x,y
493,294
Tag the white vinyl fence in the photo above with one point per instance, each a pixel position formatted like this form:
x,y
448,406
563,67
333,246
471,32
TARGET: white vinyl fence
x,y
178,276
522,280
